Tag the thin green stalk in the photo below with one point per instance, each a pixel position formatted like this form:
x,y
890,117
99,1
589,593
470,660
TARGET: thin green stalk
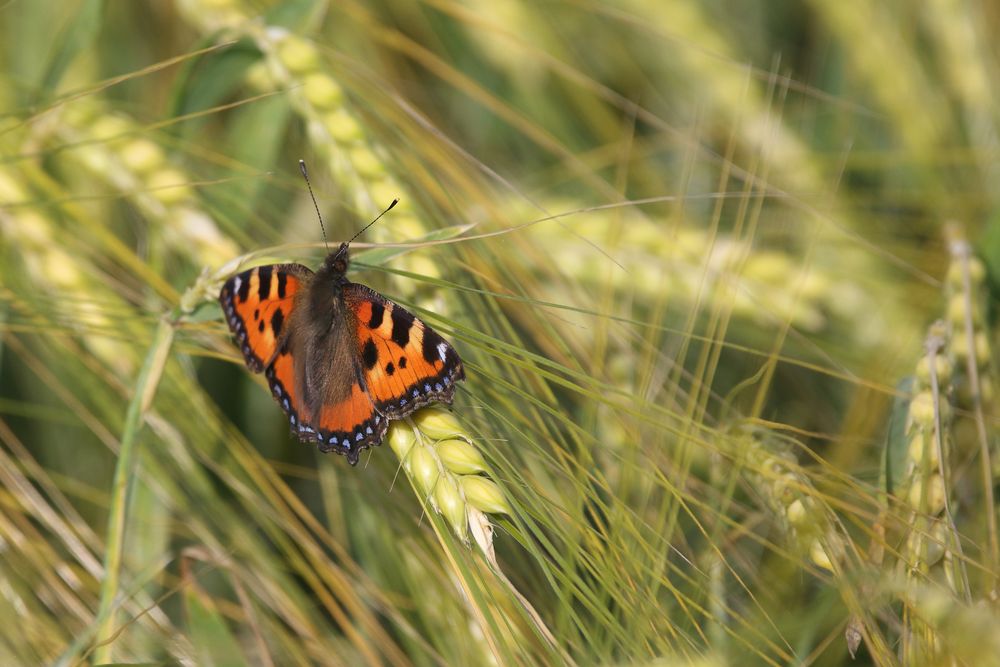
x,y
961,251
142,397
934,345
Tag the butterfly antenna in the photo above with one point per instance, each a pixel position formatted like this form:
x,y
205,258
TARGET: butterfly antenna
x,y
387,209
305,175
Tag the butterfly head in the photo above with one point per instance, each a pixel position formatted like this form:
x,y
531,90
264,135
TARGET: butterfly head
x,y
337,262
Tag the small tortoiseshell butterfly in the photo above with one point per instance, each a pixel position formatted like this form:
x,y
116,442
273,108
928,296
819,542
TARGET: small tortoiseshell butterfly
x,y
341,359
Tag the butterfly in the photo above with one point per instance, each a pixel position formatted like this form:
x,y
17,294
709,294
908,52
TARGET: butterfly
x,y
341,360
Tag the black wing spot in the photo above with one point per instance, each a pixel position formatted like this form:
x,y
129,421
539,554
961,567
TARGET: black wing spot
x,y
256,313
260,326
244,290
277,321
431,342
369,354
378,313
401,322
390,369
402,362
263,282
282,281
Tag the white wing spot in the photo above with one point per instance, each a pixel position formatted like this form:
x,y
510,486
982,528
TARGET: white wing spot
x,y
237,281
442,350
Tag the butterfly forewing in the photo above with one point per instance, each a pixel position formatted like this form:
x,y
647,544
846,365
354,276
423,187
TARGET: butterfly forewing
x,y
258,304
406,364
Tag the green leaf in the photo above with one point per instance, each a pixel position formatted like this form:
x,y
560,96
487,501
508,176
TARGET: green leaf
x,y
213,642
255,136
989,249
298,15
79,34
896,443
207,82
207,311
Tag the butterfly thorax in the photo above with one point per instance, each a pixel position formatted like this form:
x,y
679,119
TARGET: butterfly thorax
x,y
322,302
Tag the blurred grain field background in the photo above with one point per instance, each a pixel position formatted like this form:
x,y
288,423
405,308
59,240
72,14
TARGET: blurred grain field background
x,y
721,277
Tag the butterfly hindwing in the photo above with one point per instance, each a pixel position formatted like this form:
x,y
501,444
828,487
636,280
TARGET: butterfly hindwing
x,y
346,423
258,304
280,375
406,364
351,425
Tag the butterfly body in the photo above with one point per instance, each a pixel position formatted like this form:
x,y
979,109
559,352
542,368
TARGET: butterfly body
x,y
340,359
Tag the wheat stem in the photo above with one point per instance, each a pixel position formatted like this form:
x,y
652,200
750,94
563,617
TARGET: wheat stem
x,y
142,396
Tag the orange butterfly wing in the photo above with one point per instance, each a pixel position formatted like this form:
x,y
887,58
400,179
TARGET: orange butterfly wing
x,y
257,304
347,425
405,364
350,425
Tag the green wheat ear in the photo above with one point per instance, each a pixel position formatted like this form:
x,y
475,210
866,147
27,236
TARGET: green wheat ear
x,y
445,468
927,462
448,473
